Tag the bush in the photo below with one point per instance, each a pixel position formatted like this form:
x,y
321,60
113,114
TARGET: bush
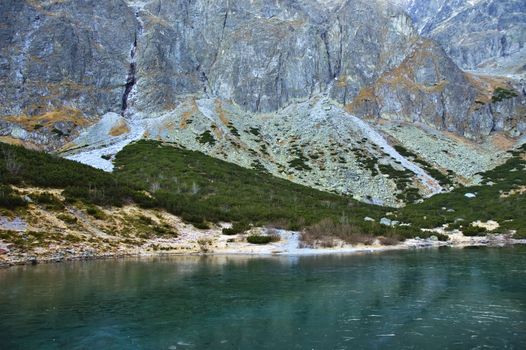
x,y
260,239
237,228
9,199
472,231
393,240
442,237
501,94
69,219
48,200
201,225
96,213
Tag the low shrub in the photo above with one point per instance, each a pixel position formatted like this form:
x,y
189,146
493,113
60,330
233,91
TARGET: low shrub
x,y
501,94
68,219
391,240
472,231
48,200
164,231
9,199
201,225
237,228
328,228
260,239
96,213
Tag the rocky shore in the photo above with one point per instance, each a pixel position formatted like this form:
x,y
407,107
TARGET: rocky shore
x,y
196,242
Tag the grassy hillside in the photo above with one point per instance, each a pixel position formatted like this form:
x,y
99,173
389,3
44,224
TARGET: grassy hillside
x,y
204,190
501,197
22,167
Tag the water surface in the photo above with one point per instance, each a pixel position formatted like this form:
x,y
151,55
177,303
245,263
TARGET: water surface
x,y
431,299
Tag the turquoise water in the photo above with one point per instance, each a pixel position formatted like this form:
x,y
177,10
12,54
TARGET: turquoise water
x,y
432,299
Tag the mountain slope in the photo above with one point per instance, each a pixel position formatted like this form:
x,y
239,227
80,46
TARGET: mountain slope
x,y
280,86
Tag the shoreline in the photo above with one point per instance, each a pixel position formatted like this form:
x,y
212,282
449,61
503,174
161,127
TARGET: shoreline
x,y
266,251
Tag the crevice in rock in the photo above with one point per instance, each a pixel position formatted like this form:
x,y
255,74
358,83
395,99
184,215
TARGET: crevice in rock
x,y
338,67
131,79
327,51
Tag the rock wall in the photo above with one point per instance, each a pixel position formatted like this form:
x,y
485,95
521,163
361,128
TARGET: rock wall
x,y
474,33
62,62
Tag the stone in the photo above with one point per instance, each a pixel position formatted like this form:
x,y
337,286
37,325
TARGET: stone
x,y
470,195
385,222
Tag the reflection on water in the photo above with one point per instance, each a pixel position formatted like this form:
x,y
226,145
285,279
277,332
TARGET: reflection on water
x,y
414,300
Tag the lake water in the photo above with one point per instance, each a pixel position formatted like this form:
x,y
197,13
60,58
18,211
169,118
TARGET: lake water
x,y
429,299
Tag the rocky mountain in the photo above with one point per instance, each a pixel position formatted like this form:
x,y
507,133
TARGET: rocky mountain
x,y
346,96
487,35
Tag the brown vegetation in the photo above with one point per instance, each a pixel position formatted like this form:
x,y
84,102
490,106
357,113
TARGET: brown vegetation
x,y
120,129
48,119
326,232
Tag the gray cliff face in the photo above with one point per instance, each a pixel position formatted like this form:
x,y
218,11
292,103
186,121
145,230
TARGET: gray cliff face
x,y
64,64
73,53
264,54
477,33
259,54
429,88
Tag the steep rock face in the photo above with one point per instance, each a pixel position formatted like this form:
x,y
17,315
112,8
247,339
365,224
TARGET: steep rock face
x,y
428,87
263,54
62,59
65,63
57,52
476,34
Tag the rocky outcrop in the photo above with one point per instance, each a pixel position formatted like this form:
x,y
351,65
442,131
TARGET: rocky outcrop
x,y
56,54
143,57
264,54
429,88
476,34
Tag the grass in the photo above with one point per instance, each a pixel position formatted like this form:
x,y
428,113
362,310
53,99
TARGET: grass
x,y
204,190
491,203
501,94
24,241
22,167
228,192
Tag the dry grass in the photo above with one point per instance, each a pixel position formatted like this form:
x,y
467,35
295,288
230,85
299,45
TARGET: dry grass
x,y
120,129
48,119
327,232
17,142
394,240
221,113
185,117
